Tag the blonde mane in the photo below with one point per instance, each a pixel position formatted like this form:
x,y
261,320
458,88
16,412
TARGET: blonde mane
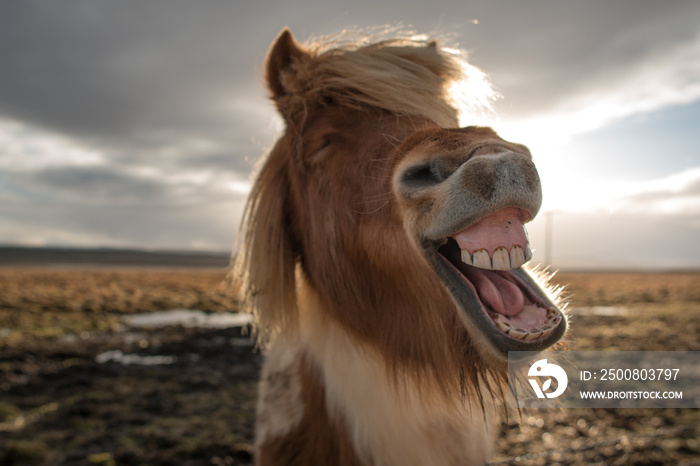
x,y
402,74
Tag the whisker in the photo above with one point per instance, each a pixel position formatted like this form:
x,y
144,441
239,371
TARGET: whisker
x,y
410,118
384,196
396,141
372,211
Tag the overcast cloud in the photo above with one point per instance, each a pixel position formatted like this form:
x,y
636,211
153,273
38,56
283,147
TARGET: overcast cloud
x,y
138,123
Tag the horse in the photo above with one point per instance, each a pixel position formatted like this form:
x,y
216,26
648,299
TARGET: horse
x,y
382,256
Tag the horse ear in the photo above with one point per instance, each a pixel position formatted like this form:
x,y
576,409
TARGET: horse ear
x,y
283,53
433,44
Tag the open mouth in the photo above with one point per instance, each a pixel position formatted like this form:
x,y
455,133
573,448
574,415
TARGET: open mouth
x,y
481,267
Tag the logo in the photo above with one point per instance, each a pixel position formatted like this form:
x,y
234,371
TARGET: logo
x,y
542,368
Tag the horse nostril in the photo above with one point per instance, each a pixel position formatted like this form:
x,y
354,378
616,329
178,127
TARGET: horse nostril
x,y
429,173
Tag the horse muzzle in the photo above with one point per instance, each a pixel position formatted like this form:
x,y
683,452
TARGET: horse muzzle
x,y
466,208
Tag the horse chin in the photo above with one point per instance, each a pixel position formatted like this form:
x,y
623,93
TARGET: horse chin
x,y
535,326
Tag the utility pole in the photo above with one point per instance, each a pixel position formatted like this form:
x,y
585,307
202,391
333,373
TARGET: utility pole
x,y
548,221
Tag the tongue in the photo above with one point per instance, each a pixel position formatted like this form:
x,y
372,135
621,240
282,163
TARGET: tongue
x,y
496,292
501,229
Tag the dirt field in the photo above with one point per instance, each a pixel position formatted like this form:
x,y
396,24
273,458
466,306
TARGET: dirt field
x,y
79,386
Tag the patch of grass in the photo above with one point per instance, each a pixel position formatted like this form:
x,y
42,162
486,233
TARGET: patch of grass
x,y
201,410
8,411
25,452
615,289
102,459
50,303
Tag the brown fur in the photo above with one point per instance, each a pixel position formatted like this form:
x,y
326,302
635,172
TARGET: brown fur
x,y
321,220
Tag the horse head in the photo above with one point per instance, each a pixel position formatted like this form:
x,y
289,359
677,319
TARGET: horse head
x,y
408,230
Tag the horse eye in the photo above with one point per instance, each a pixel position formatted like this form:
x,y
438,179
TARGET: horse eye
x,y
322,152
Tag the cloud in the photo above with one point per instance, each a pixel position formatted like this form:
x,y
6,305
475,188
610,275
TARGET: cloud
x,y
23,147
117,73
119,185
548,55
677,194
119,70
100,205
139,123
93,184
668,80
72,223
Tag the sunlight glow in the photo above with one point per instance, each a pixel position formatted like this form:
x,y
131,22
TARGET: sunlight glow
x,y
668,79
675,194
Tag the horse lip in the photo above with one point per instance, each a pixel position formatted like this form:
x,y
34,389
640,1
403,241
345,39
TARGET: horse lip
x,y
439,236
479,325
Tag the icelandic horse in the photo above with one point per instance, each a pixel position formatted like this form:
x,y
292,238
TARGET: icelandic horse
x,y
381,255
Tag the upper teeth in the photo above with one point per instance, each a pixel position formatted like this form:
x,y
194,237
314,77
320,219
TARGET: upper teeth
x,y
502,259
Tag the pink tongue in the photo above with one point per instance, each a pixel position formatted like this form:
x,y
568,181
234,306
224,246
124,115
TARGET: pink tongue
x,y
500,229
496,292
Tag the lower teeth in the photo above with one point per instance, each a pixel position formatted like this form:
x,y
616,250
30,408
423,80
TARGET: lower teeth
x,y
553,320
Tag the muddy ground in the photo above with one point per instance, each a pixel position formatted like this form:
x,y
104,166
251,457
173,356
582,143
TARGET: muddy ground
x,y
79,386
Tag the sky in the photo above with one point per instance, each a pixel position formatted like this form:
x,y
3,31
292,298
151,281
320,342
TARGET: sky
x,y
139,123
